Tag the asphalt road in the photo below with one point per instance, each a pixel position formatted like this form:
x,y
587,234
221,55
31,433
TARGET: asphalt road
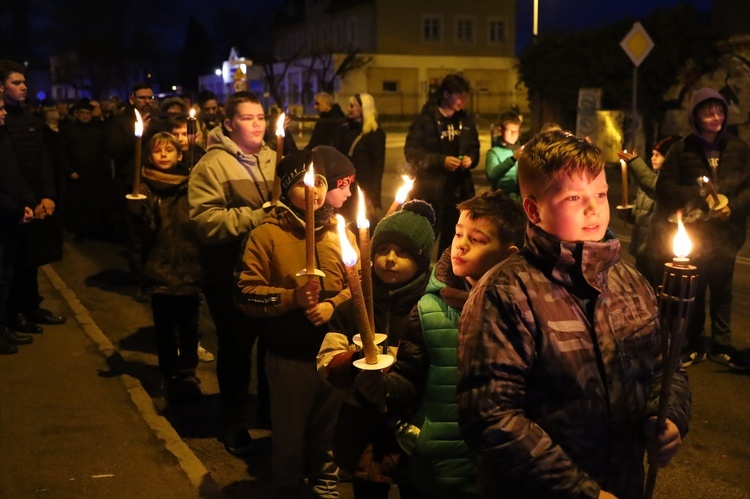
x,y
713,462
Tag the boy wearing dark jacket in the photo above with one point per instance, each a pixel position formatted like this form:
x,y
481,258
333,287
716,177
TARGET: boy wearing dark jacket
x,y
559,347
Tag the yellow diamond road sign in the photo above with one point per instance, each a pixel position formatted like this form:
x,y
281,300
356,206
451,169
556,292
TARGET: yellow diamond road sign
x,y
637,44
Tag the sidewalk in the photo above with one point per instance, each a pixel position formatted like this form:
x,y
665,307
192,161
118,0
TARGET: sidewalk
x,y
70,429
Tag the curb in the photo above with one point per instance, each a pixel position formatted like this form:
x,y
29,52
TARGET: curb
x,y
196,472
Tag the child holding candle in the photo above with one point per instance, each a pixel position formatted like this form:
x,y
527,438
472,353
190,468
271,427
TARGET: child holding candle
x,y
490,228
559,364
171,269
501,170
365,444
293,311
717,235
641,246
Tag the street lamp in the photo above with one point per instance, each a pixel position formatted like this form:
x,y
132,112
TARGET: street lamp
x,y
535,25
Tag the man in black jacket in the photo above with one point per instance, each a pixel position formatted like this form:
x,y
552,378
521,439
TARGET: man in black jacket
x,y
442,146
40,242
330,117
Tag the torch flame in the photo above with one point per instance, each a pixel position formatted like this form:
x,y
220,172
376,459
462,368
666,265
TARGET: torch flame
x,y
348,255
138,124
280,125
362,221
192,113
681,244
309,178
404,190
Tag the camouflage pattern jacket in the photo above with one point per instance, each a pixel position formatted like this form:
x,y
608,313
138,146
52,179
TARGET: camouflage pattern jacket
x,y
559,367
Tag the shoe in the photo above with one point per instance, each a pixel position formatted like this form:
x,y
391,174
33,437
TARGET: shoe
x,y
22,324
238,442
690,357
18,339
181,389
7,347
729,357
204,355
44,316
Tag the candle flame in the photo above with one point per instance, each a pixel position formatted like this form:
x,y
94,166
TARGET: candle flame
x,y
280,125
681,244
309,178
192,114
138,124
705,180
362,221
404,190
348,255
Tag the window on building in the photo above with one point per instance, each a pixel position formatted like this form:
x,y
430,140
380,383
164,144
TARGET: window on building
x,y
465,30
496,30
390,86
432,29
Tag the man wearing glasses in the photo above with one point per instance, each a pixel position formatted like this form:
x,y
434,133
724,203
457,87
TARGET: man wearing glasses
x,y
121,148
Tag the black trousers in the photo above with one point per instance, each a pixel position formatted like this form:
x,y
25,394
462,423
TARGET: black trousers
x,y
236,333
176,328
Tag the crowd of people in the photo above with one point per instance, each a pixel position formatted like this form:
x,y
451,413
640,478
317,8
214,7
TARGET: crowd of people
x,y
524,362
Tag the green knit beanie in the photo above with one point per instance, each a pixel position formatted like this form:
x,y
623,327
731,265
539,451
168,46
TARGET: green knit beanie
x,y
411,228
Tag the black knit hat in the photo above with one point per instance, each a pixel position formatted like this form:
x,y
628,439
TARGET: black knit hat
x,y
664,144
339,169
412,228
293,168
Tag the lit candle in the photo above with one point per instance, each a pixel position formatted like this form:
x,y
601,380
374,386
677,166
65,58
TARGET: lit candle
x,y
192,130
276,193
349,257
309,180
681,244
624,182
363,224
711,190
137,159
401,195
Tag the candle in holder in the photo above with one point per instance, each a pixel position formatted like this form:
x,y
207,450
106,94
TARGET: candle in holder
x,y
192,130
276,193
136,193
401,195
309,180
363,224
711,190
624,166
349,257
676,301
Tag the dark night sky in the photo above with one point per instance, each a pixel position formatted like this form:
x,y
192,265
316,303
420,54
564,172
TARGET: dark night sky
x,y
572,15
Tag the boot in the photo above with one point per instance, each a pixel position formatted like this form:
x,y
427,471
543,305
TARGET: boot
x,y
6,346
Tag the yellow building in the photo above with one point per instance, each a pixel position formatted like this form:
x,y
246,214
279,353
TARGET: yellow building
x,y
401,50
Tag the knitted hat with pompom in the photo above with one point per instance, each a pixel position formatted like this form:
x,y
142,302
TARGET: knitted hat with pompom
x,y
411,228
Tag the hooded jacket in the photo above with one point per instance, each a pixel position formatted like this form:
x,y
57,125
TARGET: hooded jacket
x,y
273,255
226,193
677,187
427,161
559,368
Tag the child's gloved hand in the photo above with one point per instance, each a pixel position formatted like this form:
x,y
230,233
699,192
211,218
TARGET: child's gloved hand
x,y
371,385
307,295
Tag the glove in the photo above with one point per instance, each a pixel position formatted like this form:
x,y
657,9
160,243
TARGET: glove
x,y
371,385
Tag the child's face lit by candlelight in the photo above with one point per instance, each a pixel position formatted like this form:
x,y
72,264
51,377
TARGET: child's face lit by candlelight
x,y
297,193
393,265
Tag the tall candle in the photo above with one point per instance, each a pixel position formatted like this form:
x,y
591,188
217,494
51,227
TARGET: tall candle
x,y
276,193
309,180
137,159
349,257
363,224
624,182
401,195
192,130
711,190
